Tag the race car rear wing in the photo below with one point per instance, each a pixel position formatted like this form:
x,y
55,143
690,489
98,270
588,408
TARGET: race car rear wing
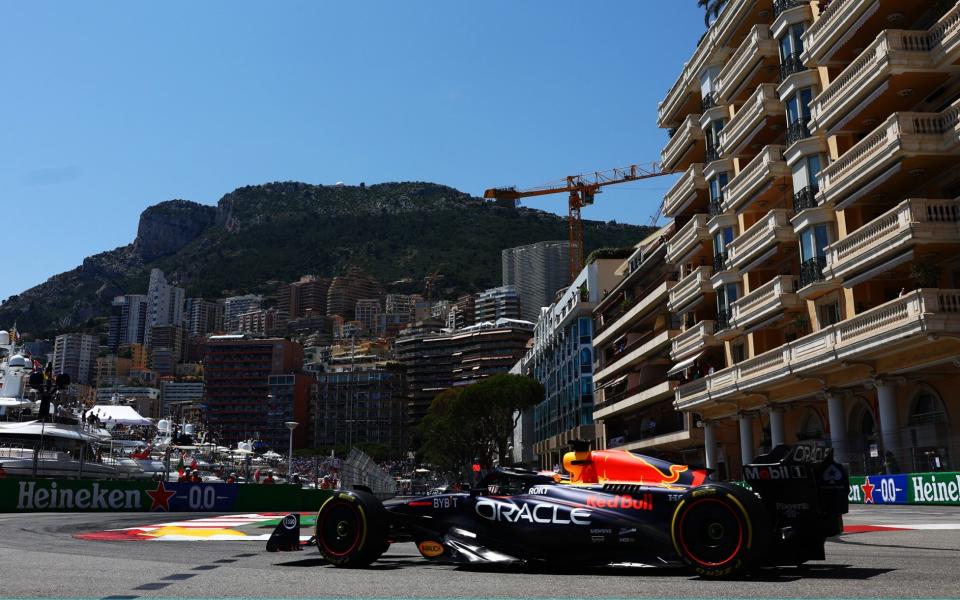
x,y
800,478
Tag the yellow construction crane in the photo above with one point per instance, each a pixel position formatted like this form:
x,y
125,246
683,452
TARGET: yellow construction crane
x,y
581,189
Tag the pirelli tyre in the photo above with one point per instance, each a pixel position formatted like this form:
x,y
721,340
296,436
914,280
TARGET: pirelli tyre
x,y
352,529
720,530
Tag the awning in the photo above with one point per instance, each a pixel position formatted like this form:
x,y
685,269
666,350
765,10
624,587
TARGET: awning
x,y
684,364
13,402
118,415
613,383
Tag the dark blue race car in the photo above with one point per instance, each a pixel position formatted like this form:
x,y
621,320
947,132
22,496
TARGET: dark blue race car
x,y
614,507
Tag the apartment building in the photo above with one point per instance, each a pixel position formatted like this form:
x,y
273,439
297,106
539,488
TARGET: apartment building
x,y
127,321
234,306
562,360
76,355
203,317
308,294
818,213
537,271
498,303
165,304
641,350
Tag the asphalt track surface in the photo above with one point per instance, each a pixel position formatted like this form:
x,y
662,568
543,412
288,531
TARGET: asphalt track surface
x,y
39,556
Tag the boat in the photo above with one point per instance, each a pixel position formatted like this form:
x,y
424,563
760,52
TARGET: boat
x,y
38,449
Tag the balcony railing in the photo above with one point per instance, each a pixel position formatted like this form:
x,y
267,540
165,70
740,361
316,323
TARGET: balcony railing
x,y
837,19
919,313
688,134
789,65
811,270
690,288
805,198
773,228
767,165
716,206
755,48
798,130
723,319
767,300
910,222
684,190
708,102
892,51
743,126
902,133
719,262
693,340
782,6
691,234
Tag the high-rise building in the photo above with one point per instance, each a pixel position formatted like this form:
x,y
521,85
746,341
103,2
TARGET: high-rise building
x,y
817,214
537,271
367,311
315,325
436,360
498,303
76,355
463,312
253,386
346,289
307,294
360,405
203,317
127,322
398,304
562,359
174,394
235,306
265,322
167,349
165,304
111,370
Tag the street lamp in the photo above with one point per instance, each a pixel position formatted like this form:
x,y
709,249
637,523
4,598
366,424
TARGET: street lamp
x,y
291,425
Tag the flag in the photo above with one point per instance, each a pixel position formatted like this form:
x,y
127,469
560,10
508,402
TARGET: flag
x,y
193,464
180,466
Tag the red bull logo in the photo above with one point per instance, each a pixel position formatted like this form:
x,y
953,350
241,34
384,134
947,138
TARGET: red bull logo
x,y
622,501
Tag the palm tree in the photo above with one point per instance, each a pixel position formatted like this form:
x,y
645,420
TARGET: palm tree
x,y
712,8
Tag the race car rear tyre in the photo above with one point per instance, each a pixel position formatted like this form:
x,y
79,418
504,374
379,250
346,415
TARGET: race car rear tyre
x,y
352,529
720,530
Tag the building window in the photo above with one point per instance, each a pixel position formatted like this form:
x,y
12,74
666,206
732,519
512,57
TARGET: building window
x,y
792,42
712,134
814,241
738,352
828,313
798,115
927,409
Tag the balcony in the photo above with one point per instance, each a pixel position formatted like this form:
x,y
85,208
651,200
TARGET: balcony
x,y
912,223
681,434
782,6
759,180
907,146
632,399
635,352
747,67
760,238
693,341
685,147
791,65
690,290
848,25
805,198
640,307
798,130
895,61
688,191
747,125
898,325
688,238
811,270
769,301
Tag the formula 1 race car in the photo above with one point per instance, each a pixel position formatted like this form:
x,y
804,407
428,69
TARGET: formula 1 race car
x,y
615,506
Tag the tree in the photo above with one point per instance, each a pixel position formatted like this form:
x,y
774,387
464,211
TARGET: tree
x,y
712,8
476,423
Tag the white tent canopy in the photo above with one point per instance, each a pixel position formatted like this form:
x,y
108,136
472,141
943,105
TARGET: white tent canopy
x,y
118,415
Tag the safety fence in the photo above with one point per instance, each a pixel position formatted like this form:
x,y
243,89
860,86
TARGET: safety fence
x,y
77,495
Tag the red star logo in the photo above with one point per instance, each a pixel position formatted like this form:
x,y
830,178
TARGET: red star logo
x,y
867,488
160,497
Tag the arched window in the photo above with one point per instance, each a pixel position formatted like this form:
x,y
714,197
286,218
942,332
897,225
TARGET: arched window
x,y
862,422
926,408
811,426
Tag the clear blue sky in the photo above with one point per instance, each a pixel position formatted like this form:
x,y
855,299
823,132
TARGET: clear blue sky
x,y
109,107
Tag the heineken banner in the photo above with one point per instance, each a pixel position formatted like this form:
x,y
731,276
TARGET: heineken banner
x,y
909,488
70,495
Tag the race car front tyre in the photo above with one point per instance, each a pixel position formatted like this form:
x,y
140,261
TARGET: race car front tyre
x,y
720,530
352,529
